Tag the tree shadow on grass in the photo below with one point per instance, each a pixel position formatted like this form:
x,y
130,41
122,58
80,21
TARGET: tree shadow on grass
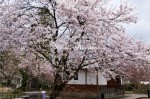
x,y
143,98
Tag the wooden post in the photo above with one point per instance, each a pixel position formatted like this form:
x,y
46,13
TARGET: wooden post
x,y
148,93
86,76
102,96
97,80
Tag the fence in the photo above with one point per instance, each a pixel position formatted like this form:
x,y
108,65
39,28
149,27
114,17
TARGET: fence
x,y
81,95
109,92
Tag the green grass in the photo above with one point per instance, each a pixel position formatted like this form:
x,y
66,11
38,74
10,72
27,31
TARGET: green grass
x,y
129,92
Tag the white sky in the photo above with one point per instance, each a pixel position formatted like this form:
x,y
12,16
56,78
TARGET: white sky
x,y
140,30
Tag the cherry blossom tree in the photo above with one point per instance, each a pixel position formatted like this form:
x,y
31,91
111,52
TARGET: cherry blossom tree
x,y
56,37
133,58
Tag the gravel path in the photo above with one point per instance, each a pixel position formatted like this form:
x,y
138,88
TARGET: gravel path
x,y
130,96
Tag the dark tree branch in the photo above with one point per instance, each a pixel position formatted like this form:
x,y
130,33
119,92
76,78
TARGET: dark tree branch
x,y
1,1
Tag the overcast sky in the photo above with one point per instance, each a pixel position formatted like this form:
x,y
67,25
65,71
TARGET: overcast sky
x,y
140,30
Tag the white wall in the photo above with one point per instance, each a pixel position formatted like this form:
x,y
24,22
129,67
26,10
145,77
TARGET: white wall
x,y
101,79
91,78
122,81
81,78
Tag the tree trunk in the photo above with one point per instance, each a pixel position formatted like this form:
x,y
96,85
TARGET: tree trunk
x,y
58,87
9,82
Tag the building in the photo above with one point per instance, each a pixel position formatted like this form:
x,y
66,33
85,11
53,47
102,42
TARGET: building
x,y
87,81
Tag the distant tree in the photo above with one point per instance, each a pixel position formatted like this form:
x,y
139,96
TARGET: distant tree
x,y
8,66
